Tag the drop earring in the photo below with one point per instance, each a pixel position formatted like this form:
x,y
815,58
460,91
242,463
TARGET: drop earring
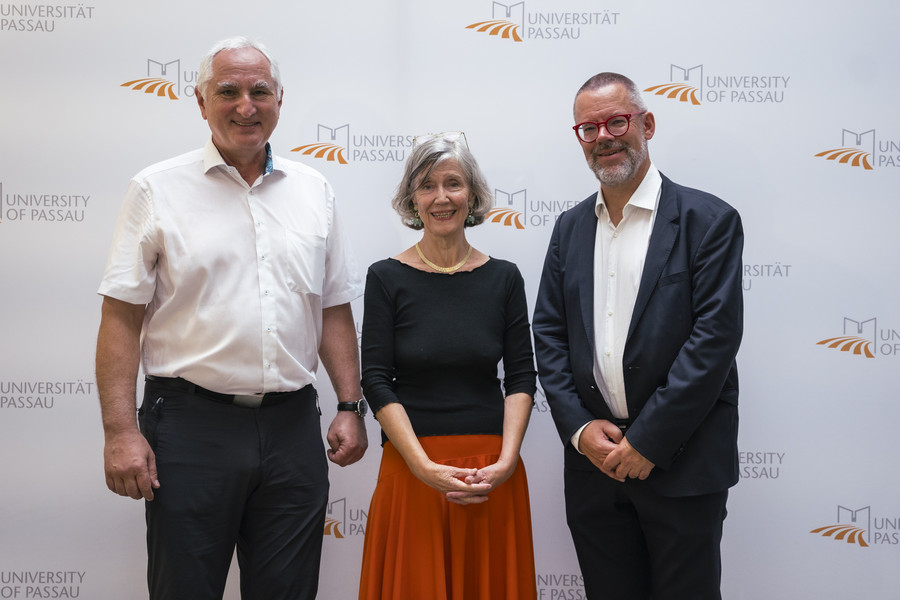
x,y
470,219
416,220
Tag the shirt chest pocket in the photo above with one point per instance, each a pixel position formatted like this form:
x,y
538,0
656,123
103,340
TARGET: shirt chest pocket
x,y
304,261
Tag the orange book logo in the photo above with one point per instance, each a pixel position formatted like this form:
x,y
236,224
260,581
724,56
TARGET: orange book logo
x,y
504,211
503,24
852,340
856,153
335,516
849,527
157,81
681,87
332,143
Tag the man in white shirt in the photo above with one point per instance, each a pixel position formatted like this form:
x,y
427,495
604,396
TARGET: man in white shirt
x,y
228,278
637,323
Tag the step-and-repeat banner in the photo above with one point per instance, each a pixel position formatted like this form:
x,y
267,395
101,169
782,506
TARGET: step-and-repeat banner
x,y
787,110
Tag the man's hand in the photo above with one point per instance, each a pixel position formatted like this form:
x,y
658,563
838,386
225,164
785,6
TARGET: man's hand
x,y
609,450
348,438
625,462
597,440
130,465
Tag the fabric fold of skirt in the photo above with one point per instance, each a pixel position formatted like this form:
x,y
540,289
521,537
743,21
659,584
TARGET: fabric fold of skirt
x,y
419,545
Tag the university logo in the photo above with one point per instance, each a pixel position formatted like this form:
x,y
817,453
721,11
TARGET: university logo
x,y
332,144
41,17
560,586
42,207
342,522
514,209
335,144
852,526
164,80
760,464
505,208
335,517
692,85
24,394
512,23
685,84
758,271
858,338
864,338
857,149
506,21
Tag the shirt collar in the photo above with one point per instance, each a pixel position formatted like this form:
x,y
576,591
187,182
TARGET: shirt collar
x,y
212,158
646,196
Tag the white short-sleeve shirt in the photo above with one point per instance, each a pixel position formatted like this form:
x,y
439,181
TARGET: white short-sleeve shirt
x,y
234,277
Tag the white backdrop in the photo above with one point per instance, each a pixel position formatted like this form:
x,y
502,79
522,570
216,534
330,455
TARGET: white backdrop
x,y
775,84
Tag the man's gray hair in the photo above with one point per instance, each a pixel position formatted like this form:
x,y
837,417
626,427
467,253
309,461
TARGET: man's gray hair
x,y
423,160
604,79
204,73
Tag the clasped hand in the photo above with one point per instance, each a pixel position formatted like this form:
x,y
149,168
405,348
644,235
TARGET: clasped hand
x,y
465,486
611,452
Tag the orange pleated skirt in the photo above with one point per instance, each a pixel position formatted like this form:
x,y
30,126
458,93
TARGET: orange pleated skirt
x,y
420,546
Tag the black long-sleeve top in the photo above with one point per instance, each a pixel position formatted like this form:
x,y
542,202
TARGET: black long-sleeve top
x,y
433,343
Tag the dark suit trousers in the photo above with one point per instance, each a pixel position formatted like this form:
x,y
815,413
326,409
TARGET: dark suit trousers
x,y
255,478
633,544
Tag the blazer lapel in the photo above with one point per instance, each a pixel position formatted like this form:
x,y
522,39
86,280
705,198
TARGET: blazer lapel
x,y
585,233
662,240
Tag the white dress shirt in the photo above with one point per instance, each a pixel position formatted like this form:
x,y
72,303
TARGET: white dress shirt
x,y
235,277
619,254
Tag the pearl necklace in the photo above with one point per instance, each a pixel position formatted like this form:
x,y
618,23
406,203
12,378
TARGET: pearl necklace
x,y
455,267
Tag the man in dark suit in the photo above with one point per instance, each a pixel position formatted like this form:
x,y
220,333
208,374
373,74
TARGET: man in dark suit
x,y
637,323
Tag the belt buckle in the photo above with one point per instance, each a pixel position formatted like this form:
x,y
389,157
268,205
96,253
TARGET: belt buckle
x,y
248,400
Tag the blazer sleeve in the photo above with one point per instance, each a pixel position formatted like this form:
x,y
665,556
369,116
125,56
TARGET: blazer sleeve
x,y
552,341
703,371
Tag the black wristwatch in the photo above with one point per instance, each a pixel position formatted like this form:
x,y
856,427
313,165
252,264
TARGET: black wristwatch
x,y
360,407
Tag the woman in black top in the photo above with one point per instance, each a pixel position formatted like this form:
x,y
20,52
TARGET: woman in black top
x,y
450,516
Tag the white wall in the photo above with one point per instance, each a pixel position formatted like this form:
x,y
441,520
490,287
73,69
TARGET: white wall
x,y
821,244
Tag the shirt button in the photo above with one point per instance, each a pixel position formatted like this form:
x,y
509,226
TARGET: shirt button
x,y
612,273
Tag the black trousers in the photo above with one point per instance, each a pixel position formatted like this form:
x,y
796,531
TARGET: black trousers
x,y
255,478
633,544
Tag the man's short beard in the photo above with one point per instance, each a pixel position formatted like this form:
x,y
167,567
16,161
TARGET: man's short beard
x,y
614,176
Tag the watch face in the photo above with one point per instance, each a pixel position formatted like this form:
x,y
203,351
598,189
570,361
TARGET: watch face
x,y
362,407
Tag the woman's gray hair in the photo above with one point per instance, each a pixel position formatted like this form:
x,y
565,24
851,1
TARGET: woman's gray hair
x,y
204,72
423,159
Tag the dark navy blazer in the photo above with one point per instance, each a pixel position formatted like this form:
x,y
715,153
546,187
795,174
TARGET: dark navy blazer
x,y
681,378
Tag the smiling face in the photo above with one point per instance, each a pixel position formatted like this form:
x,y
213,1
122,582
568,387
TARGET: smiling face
x,y
616,161
442,198
241,105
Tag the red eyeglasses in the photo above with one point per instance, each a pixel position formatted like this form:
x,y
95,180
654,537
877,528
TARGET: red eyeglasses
x,y
616,126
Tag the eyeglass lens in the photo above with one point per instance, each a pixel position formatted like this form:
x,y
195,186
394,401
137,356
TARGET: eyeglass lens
x,y
616,126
